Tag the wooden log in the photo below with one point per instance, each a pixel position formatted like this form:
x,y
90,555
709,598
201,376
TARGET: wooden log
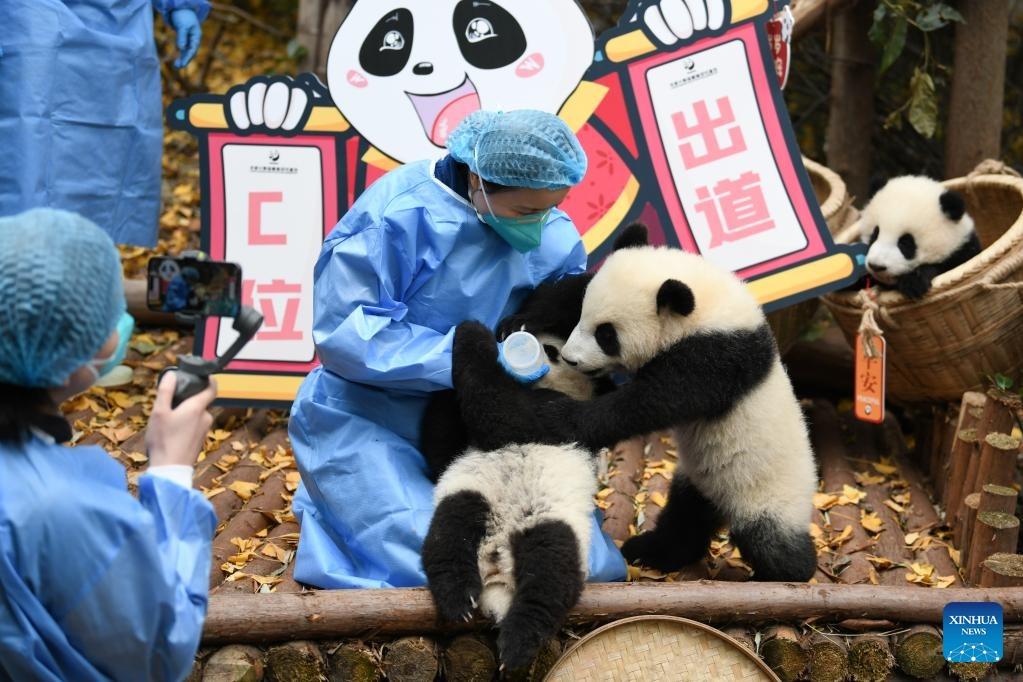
x,y
742,635
997,462
235,663
889,543
660,449
821,368
264,565
962,451
829,658
870,658
963,533
411,659
623,479
977,96
993,533
1012,649
469,658
1002,570
135,298
826,437
918,652
355,662
784,653
243,618
940,462
227,503
997,498
865,624
921,516
255,516
970,672
851,104
296,661
252,431
545,659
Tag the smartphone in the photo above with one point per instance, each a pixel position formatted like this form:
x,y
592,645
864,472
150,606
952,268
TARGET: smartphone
x,y
194,287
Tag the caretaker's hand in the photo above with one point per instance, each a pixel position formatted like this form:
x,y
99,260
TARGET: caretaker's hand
x,y
189,34
175,436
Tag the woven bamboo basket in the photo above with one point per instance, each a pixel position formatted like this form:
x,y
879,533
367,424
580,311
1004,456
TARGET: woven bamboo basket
x,y
789,323
970,325
659,649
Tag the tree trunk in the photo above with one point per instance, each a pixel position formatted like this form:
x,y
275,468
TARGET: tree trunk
x,y
870,658
978,86
851,115
784,653
919,653
318,21
241,618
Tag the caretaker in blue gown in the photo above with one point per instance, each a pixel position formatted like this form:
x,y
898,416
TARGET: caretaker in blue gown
x,y
81,117
426,247
94,584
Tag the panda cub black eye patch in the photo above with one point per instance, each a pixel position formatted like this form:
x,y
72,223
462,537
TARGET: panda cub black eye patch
x,y
607,338
907,245
552,352
875,234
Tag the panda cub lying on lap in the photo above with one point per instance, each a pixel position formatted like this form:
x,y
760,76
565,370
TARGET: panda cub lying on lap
x,y
917,229
705,365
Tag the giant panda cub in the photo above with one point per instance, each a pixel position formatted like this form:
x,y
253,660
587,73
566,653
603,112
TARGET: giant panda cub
x,y
514,500
705,365
916,229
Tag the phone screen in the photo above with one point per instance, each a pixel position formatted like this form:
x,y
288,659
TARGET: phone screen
x,y
194,287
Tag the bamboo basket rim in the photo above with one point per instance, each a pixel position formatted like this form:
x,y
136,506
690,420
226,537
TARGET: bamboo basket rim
x,y
837,198
989,267
677,620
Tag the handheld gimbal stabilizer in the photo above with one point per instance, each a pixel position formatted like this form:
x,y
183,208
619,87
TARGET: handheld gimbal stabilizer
x,y
194,372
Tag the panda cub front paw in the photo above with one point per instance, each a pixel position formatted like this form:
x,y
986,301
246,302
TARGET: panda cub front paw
x,y
474,342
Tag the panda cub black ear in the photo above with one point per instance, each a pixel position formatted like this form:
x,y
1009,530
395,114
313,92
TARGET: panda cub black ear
x,y
676,297
635,235
952,204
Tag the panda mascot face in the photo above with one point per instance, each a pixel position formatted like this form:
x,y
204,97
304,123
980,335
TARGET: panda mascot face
x,y
645,299
405,74
914,222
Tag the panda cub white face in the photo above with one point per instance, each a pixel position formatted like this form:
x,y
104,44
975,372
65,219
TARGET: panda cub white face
x,y
913,221
645,299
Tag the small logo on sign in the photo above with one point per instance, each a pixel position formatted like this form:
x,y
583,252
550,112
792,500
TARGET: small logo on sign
x,y
972,632
689,64
275,156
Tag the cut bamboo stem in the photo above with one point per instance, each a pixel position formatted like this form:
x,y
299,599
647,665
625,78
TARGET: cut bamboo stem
x,y
997,462
963,535
241,618
962,451
919,653
870,659
997,498
993,533
784,653
1002,570
829,658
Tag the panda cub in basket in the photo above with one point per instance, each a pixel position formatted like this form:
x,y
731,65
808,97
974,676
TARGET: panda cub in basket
x,y
916,229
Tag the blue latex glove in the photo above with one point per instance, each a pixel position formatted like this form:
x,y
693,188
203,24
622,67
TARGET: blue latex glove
x,y
189,30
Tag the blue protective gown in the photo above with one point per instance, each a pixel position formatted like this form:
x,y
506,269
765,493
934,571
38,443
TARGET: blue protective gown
x,y
405,265
95,585
80,110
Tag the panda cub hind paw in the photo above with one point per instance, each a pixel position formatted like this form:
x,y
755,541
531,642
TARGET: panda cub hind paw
x,y
518,646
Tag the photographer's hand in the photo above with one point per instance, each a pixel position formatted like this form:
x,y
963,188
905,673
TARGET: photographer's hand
x,y
175,436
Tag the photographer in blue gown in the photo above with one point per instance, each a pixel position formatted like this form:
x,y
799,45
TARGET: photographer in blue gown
x,y
94,584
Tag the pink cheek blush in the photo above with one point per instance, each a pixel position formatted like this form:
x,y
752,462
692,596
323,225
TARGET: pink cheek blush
x,y
530,66
356,79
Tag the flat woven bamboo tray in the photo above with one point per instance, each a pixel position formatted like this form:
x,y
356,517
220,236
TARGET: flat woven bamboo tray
x,y
656,648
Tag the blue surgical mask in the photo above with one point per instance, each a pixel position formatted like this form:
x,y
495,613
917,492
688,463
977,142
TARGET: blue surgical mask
x,y
103,366
523,232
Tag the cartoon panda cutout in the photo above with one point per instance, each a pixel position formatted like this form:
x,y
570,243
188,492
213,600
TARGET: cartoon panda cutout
x,y
405,73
